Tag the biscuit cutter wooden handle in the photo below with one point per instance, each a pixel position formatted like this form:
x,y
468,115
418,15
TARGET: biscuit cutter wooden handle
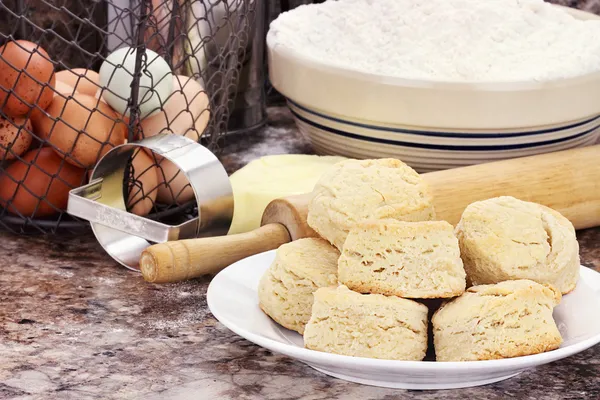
x,y
568,181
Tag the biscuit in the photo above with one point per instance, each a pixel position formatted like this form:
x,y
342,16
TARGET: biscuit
x,y
369,325
408,259
354,191
505,238
285,291
508,319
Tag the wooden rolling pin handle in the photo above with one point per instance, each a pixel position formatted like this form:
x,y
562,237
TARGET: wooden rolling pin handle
x,y
186,259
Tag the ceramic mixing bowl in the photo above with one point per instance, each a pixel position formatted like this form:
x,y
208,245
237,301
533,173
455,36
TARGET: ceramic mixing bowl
x,y
434,125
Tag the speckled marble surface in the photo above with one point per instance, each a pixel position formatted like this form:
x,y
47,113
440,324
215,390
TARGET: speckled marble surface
x,y
74,325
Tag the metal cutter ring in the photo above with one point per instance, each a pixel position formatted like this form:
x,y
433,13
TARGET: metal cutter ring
x,y
124,235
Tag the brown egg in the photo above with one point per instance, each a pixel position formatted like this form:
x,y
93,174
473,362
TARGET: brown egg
x,y
186,112
45,183
98,95
60,89
63,88
33,88
84,130
174,187
143,186
15,138
85,81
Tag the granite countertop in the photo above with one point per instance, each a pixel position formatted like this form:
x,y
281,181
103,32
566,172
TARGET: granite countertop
x,y
75,325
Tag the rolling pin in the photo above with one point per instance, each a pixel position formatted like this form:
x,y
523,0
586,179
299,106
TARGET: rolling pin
x,y
567,181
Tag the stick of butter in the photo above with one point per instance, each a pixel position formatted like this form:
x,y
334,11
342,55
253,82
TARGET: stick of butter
x,y
268,178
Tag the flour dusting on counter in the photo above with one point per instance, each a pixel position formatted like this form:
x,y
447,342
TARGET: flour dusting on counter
x,y
444,40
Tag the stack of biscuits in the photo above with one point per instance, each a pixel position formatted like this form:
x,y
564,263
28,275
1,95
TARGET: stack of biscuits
x,y
360,288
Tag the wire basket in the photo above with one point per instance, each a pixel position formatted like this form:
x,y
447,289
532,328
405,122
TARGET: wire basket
x,y
78,77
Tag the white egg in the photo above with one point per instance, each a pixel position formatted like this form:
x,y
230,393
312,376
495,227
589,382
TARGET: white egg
x,y
156,81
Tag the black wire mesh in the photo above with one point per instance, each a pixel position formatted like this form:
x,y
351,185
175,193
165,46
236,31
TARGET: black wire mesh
x,y
63,105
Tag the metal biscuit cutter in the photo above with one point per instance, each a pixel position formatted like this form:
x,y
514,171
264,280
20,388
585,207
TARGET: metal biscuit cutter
x,y
124,235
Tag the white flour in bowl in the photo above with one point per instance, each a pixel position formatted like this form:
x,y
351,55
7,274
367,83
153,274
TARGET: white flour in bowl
x,y
444,40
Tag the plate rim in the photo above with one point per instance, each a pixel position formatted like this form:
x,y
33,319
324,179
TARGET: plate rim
x,y
318,357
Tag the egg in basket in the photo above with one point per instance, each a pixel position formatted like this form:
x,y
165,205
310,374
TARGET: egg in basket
x,y
56,123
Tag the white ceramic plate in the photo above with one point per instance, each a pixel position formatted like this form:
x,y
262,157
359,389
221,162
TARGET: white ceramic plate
x,y
233,300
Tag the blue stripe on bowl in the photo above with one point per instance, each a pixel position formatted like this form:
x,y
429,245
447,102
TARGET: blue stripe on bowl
x,y
466,135
352,147
441,147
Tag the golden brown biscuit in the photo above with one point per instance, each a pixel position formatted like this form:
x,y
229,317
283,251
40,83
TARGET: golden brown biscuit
x,y
508,319
285,291
369,325
354,191
408,259
505,238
